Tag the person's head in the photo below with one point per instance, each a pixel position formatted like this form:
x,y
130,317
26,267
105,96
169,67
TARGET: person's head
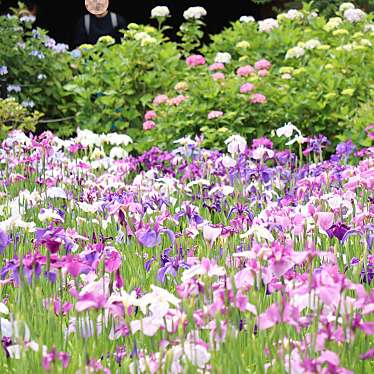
x,y
97,7
32,7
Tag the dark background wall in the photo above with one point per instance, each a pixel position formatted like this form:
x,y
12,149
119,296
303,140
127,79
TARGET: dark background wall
x,y
60,17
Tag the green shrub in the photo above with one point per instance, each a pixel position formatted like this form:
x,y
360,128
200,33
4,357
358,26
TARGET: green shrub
x,y
320,91
15,116
35,67
320,79
114,84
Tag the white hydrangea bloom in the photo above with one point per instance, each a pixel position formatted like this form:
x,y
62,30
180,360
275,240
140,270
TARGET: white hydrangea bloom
x,y
345,6
268,25
286,76
369,27
223,57
247,19
195,12
312,15
312,43
366,42
354,15
294,14
141,35
295,52
333,23
347,47
160,11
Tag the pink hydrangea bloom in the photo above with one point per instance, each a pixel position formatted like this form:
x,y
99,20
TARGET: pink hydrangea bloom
x,y
149,115
216,66
258,99
244,71
218,76
215,114
263,73
160,99
195,60
246,87
263,64
148,125
177,100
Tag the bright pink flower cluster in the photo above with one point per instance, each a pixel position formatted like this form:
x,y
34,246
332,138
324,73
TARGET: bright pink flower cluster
x,y
149,115
195,60
216,66
148,125
245,71
263,73
215,114
218,76
258,98
177,100
263,64
247,87
160,99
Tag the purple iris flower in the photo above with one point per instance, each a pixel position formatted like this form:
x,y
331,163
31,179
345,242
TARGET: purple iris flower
x,y
191,214
338,230
355,261
134,352
4,240
151,238
241,210
316,144
261,173
368,355
148,264
171,266
367,274
52,238
343,150
12,267
370,240
350,233
51,276
6,342
120,354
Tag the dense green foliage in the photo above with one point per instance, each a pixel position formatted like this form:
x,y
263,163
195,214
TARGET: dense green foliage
x,y
320,78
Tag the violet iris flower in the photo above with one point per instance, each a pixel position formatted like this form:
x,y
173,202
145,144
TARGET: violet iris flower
x,y
4,240
170,265
191,214
150,238
338,230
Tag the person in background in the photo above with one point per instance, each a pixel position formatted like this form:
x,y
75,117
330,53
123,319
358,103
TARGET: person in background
x,y
32,7
97,23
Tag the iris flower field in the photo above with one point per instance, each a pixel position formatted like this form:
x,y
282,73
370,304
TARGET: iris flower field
x,y
255,260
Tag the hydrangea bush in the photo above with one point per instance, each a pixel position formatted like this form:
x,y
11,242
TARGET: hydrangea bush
x,y
33,67
113,84
299,67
